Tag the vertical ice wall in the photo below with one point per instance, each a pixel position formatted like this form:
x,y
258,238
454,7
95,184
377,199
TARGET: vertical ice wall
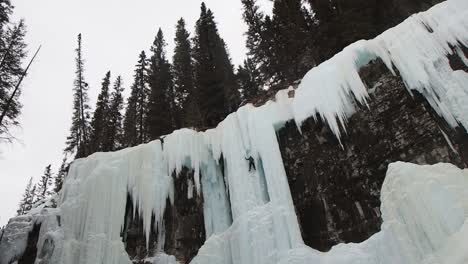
x,y
425,213
95,193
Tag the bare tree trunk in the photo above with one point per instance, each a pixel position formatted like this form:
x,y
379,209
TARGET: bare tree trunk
x,y
10,100
80,80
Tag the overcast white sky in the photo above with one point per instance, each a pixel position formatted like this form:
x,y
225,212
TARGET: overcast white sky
x,y
114,32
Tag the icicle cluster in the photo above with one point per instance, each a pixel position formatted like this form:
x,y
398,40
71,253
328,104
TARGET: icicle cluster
x,y
417,48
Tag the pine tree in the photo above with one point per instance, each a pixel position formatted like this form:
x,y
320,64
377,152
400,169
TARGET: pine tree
x,y
134,127
281,47
113,139
323,9
44,184
60,176
254,20
249,80
5,11
100,118
259,37
290,45
185,94
28,196
34,195
161,118
12,54
78,141
214,74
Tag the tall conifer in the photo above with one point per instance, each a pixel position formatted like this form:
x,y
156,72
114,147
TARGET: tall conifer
x,y
78,140
249,79
60,176
184,88
28,196
113,139
134,125
161,118
45,183
214,75
12,54
259,37
290,45
99,123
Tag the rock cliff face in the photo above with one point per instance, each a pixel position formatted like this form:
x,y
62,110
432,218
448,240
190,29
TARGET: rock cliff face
x,y
30,253
336,190
184,225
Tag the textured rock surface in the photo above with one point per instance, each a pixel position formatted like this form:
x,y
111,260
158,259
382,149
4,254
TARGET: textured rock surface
x,y
336,190
30,253
183,222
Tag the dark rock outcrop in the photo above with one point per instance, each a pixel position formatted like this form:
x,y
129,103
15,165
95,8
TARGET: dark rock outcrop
x,y
336,191
133,235
183,223
29,255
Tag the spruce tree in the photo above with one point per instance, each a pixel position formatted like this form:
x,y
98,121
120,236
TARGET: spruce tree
x,y
12,54
134,126
259,37
101,117
214,74
43,188
290,44
78,140
323,9
249,80
161,118
113,138
28,196
5,11
281,46
184,87
231,87
60,176
34,195
253,17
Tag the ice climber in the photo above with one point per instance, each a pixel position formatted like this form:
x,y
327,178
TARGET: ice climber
x,y
251,163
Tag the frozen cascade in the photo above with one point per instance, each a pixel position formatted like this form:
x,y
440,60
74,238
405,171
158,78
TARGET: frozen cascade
x,y
95,192
16,235
425,213
249,214
417,48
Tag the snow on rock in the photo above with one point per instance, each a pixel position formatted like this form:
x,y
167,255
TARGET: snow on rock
x,y
417,48
161,259
425,213
15,237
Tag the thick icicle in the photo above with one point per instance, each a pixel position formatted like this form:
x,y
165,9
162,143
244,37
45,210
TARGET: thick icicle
x,y
417,48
